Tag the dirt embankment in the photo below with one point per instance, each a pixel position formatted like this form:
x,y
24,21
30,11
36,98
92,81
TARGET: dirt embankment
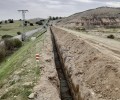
x,y
92,74
48,86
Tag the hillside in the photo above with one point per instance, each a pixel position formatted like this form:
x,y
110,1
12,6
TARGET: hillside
x,y
34,20
101,15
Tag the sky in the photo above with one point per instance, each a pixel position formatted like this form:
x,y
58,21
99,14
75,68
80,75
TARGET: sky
x,y
46,8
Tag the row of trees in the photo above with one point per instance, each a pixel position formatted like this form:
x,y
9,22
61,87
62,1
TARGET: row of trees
x,y
54,18
7,21
26,23
40,22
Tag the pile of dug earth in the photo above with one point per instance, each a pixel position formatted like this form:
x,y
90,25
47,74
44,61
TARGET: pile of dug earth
x,y
92,75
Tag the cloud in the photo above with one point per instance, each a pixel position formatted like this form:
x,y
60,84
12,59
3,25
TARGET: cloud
x,y
53,6
45,8
85,1
113,4
54,2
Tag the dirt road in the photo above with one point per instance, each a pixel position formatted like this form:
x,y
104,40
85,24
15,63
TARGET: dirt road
x,y
105,45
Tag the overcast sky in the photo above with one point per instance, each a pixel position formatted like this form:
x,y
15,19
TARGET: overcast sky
x,y
45,8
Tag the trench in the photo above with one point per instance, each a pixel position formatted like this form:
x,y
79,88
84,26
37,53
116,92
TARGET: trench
x,y
65,91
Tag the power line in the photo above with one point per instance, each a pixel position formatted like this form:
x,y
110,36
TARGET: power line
x,y
23,36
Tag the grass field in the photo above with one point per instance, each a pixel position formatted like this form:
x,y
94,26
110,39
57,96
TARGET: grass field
x,y
13,28
20,69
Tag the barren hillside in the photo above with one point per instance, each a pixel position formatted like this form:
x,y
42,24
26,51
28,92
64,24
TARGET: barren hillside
x,y
99,16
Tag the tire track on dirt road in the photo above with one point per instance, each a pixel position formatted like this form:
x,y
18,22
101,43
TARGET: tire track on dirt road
x,y
106,46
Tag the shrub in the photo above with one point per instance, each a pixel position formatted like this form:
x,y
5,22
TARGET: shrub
x,y
6,36
53,18
9,44
11,20
19,33
25,24
39,23
80,29
31,24
111,36
17,43
6,21
0,22
83,29
2,52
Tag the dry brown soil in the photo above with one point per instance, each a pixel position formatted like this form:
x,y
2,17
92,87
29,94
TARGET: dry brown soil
x,y
92,66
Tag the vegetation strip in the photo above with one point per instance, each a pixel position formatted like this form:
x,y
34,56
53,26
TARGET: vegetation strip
x,y
27,73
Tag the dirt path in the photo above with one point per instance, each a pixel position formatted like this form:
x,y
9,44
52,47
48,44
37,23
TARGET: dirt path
x,y
106,46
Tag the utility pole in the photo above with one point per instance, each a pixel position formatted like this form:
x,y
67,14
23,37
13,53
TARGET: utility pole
x,y
23,36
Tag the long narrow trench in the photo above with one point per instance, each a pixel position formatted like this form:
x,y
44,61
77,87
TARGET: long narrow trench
x,y
64,87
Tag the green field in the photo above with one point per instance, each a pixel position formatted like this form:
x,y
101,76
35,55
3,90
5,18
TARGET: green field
x,y
13,28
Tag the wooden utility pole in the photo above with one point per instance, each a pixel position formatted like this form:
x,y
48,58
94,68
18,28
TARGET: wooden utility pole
x,y
23,36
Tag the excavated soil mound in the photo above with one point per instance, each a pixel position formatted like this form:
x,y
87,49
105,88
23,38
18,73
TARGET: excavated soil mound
x,y
48,87
92,75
